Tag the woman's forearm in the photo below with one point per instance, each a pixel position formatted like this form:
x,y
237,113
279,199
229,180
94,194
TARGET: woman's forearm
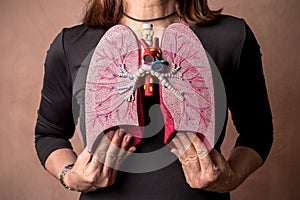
x,y
58,159
244,161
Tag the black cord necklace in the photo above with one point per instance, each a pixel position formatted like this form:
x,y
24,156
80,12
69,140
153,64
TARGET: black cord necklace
x,y
149,20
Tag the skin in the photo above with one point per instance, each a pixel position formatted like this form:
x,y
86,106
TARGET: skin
x,y
209,170
202,169
146,9
92,171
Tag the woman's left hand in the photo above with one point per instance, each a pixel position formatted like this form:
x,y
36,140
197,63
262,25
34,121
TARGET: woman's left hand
x,y
203,169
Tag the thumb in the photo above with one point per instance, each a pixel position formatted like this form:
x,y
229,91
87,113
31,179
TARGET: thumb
x,y
218,159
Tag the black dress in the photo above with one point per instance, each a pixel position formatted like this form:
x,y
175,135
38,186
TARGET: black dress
x,y
236,53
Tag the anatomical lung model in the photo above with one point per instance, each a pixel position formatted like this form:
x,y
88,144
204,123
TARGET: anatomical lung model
x,y
122,64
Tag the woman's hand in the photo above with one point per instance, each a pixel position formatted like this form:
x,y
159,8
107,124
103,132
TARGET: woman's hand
x,y
203,169
94,171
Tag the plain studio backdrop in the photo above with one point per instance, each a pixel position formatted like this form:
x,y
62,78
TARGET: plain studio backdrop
x,y
29,26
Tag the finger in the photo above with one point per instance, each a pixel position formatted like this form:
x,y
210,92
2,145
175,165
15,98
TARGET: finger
x,y
125,142
113,177
187,175
175,151
192,168
205,160
113,172
180,148
95,165
102,147
188,158
210,172
200,147
190,150
117,137
186,142
124,151
219,159
112,152
221,164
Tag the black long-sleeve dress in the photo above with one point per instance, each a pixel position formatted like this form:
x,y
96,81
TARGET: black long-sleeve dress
x,y
236,53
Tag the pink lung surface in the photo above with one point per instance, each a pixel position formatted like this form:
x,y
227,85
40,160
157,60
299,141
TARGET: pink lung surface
x,y
105,106
196,113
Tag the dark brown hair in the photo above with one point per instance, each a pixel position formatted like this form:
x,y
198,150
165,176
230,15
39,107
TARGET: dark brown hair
x,y
107,13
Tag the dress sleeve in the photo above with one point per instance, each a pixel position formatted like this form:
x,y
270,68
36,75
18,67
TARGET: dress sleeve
x,y
248,101
55,124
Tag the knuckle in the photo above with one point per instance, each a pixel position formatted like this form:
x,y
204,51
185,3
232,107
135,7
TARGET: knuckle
x,y
92,179
200,184
211,177
105,182
190,184
100,156
195,185
119,160
113,149
192,157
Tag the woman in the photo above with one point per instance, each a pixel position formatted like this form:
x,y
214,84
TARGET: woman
x,y
197,173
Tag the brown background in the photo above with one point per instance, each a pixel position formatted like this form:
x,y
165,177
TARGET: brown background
x,y
28,27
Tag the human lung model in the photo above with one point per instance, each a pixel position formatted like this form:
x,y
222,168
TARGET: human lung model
x,y
117,72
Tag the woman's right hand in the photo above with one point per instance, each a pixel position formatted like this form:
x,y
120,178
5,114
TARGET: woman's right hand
x,y
93,171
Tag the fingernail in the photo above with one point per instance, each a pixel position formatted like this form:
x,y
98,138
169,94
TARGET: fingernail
x,y
128,138
121,132
132,149
122,129
175,139
110,134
